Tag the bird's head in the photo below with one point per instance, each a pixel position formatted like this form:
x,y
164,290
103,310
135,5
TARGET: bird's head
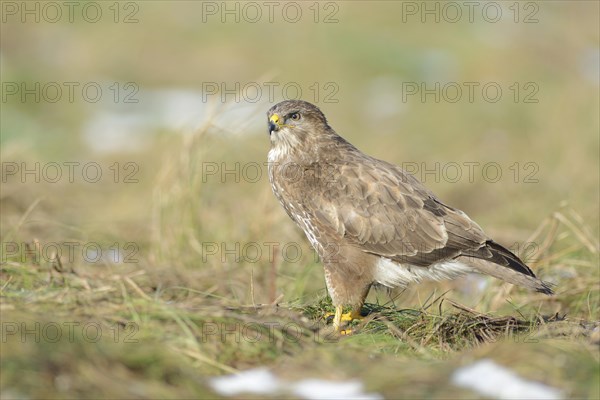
x,y
295,123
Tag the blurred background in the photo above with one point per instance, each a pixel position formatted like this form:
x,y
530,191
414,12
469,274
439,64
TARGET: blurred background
x,y
494,106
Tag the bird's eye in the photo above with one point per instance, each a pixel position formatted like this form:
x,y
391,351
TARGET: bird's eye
x,y
295,116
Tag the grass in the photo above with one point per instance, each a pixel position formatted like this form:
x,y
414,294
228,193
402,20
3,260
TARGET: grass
x,y
171,320
203,274
163,342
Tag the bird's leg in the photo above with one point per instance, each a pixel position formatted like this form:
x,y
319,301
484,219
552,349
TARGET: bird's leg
x,y
356,310
340,317
351,316
337,319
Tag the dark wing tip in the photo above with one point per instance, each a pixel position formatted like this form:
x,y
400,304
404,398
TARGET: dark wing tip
x,y
516,264
546,288
499,255
502,256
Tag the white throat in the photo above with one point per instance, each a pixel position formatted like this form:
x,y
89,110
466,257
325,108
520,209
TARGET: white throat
x,y
282,142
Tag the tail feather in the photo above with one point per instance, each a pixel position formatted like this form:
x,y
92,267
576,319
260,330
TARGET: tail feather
x,y
502,256
488,258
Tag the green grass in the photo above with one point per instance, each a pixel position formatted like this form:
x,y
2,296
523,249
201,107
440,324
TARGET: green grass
x,y
175,314
157,344
178,315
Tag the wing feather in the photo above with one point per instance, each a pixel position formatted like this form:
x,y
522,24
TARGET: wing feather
x,y
385,211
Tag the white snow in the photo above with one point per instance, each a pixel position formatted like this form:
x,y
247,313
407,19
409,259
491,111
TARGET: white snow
x,y
315,389
255,381
126,126
492,380
261,381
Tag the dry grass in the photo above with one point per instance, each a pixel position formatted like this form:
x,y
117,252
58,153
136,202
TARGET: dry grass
x,y
166,323
180,314
162,341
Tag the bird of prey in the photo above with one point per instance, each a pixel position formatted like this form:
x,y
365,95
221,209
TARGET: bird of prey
x,y
370,221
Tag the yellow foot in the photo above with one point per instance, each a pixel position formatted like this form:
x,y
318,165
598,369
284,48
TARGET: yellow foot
x,y
340,317
346,317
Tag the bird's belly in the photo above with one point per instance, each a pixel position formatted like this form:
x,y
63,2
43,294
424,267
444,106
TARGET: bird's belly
x,y
392,274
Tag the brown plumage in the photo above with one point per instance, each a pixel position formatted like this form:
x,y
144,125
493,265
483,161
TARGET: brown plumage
x,y
370,221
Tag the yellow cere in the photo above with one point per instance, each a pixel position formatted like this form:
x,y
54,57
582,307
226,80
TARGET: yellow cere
x,y
275,119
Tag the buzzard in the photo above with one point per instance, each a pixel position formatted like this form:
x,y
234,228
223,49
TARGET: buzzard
x,y
370,221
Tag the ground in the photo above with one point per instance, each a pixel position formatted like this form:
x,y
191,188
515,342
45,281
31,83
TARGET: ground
x,y
176,264
167,314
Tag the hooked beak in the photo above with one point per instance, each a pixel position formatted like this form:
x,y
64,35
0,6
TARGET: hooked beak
x,y
274,123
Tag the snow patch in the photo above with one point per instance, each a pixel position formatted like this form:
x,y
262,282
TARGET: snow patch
x,y
492,380
255,381
322,389
261,381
